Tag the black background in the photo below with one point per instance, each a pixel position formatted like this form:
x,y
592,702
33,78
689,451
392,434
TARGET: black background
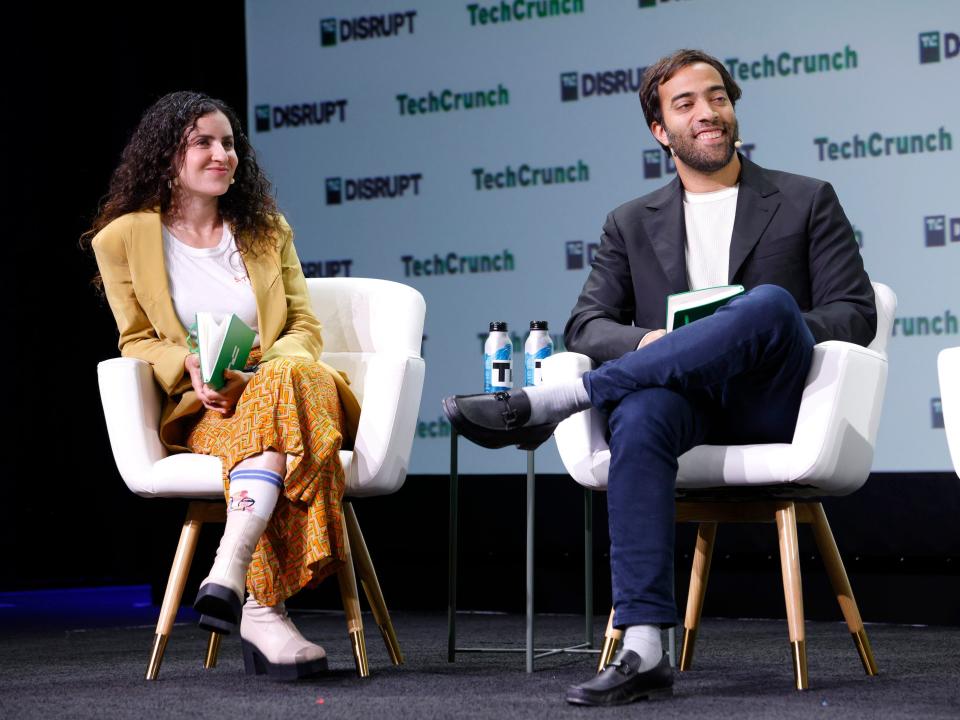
x,y
80,81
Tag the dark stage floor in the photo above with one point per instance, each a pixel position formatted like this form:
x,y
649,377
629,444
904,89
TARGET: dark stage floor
x,y
52,667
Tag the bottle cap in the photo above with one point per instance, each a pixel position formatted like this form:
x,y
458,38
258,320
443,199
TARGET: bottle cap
x,y
498,326
538,325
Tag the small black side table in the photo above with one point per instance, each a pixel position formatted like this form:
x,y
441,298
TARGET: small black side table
x,y
532,652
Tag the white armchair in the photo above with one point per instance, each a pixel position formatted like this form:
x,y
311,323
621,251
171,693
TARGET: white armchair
x,y
372,330
831,454
948,366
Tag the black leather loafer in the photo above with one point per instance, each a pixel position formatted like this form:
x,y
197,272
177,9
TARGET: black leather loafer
x,y
620,683
496,420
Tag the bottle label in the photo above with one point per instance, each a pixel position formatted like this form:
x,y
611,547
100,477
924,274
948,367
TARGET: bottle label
x,y
498,369
533,365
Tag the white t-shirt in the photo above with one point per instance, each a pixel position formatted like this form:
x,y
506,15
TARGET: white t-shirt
x,y
209,280
709,219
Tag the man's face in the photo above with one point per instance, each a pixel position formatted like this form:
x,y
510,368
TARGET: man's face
x,y
698,119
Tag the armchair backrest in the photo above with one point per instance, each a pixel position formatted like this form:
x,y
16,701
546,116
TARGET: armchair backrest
x,y
886,301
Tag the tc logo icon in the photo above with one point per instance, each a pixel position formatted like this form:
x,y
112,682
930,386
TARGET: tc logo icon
x,y
935,230
334,191
328,32
262,113
576,259
930,46
651,164
936,413
568,87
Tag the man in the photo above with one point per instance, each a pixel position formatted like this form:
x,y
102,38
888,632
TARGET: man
x,y
735,377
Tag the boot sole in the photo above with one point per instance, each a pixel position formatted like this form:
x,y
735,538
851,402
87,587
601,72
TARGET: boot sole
x,y
218,602
254,663
212,624
621,698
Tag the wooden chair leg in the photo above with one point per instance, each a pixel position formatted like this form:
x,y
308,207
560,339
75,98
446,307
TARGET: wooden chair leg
x,y
699,574
371,586
792,589
213,649
841,586
351,606
197,513
611,639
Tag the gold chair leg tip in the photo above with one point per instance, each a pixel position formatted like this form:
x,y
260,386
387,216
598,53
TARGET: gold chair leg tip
x,y
359,647
686,652
799,653
156,656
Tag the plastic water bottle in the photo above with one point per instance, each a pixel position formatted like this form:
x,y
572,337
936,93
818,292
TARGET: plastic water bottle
x,y
539,346
497,359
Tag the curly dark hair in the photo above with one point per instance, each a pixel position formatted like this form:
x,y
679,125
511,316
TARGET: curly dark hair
x,y
152,159
665,68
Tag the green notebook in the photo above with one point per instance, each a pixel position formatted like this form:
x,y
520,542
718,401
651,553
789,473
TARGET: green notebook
x,y
683,308
225,342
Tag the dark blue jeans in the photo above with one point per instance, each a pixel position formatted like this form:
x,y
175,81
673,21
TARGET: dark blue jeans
x,y
733,378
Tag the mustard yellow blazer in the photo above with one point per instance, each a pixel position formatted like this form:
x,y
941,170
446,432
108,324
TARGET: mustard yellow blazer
x,y
129,252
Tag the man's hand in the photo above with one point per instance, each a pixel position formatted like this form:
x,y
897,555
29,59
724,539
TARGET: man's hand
x,y
224,400
650,337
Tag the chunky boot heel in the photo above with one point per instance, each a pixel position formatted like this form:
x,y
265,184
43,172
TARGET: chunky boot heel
x,y
219,603
212,624
273,646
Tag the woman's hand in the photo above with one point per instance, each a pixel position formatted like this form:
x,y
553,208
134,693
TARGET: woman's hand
x,y
224,400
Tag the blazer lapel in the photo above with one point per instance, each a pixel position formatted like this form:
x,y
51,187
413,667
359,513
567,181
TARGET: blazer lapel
x,y
666,230
263,270
757,203
146,257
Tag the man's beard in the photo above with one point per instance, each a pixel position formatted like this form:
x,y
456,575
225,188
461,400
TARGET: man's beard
x,y
707,159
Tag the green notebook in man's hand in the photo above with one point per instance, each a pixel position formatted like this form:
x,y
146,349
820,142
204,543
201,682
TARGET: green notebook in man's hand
x,y
686,307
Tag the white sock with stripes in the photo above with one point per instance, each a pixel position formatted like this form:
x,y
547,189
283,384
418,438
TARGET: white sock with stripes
x,y
255,491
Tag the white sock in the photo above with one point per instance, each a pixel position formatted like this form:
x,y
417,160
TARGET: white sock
x,y
645,641
255,491
556,401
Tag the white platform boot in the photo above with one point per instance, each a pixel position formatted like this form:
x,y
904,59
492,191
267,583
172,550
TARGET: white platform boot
x,y
221,593
272,645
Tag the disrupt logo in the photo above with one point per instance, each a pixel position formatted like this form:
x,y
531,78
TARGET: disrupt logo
x,y
935,230
877,144
327,268
526,176
575,255
657,163
371,188
454,264
521,10
576,85
367,27
930,46
936,413
788,64
313,113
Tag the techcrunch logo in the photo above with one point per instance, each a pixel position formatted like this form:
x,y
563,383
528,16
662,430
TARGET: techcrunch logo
x,y
935,230
657,163
313,113
326,268
575,85
371,188
450,101
439,428
526,176
503,12
787,64
878,144
454,264
946,324
930,46
367,27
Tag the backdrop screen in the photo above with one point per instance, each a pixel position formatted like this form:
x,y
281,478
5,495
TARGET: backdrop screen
x,y
473,149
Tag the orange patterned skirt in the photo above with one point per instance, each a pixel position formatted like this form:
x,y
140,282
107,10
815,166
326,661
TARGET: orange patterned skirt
x,y
290,405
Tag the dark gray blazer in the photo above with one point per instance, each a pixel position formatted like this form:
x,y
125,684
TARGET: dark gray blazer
x,y
789,231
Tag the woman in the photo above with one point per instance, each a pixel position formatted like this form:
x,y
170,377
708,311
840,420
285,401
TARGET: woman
x,y
189,225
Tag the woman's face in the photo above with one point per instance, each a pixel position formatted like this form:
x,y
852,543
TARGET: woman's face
x,y
209,159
